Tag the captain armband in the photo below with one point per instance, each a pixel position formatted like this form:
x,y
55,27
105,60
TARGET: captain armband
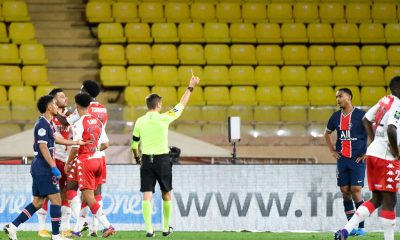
x,y
135,139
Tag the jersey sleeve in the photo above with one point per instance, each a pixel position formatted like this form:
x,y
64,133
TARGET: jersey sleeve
x,y
371,114
42,132
73,118
330,127
77,131
394,118
174,113
103,136
135,136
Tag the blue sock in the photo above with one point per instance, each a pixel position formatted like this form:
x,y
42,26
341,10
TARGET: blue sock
x,y
25,215
361,224
55,214
348,208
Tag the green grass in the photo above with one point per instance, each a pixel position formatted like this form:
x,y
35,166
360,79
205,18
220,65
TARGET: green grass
x,y
219,236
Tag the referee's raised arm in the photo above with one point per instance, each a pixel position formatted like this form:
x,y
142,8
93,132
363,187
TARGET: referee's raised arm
x,y
185,97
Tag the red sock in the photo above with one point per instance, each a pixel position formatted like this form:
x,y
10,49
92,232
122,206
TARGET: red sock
x,y
391,215
45,205
83,205
98,198
371,207
65,203
71,194
94,208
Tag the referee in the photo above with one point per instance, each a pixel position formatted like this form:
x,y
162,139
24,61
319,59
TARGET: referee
x,y
151,130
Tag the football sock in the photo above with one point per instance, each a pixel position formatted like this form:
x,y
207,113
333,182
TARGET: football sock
x,y
167,210
360,215
98,212
348,208
82,217
65,215
146,209
74,202
41,213
26,213
55,214
361,224
388,219
95,222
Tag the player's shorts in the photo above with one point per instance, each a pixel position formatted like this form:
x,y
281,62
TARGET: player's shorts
x,y
160,170
44,185
89,173
63,180
72,175
382,174
104,170
350,173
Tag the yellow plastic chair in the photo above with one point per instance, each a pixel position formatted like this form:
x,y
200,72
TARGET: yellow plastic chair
x,y
202,12
177,12
191,54
305,12
135,96
22,32
320,76
374,55
165,76
32,54
268,33
191,33
240,109
214,113
295,95
138,33
216,75
372,33
216,33
139,76
164,33
294,33
345,76
9,54
294,76
243,33
185,73
320,33
243,54
168,94
218,96
266,114
331,12
8,129
393,53
15,11
43,90
269,55
267,76
3,33
10,75
196,97
111,33
3,97
295,55
348,55
228,12
112,54
125,12
321,55
280,13
371,95
390,73
254,12
371,76
139,54
190,129
151,12
217,54
191,113
269,96
346,33
113,76
243,96
242,75
21,95
321,96
164,54
392,33
320,115
35,75
358,12
384,13
98,12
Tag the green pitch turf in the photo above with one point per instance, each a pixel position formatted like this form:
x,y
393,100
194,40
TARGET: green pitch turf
x,y
218,236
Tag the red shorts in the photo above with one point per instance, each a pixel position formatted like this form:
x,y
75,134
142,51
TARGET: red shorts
x,y
63,180
383,175
104,170
89,173
72,173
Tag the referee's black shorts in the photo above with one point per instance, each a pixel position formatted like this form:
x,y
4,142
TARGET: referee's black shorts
x,y
160,169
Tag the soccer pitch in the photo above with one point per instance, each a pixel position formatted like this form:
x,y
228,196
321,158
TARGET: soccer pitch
x,y
25,235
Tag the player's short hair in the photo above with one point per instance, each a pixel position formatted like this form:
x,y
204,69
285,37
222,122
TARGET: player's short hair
x,y
152,100
44,102
395,84
83,99
346,90
91,87
55,91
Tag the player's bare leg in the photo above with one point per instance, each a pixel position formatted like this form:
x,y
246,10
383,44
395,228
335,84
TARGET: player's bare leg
x,y
167,210
147,212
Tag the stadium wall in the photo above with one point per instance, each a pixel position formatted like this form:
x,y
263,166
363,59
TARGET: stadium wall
x,y
212,198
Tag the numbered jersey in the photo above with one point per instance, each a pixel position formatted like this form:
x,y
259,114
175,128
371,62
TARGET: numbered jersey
x,y
99,111
385,112
61,151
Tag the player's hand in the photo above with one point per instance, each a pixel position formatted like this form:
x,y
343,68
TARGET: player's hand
x,y
67,168
81,143
56,172
361,159
194,81
335,155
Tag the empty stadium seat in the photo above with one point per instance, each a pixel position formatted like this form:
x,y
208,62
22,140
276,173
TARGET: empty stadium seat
x,y
356,100
371,76
113,76
215,133
10,75
305,12
348,55
191,33
243,96
371,95
125,12
254,12
177,12
358,12
165,76
32,54
267,134
384,13
202,12
191,113
185,73
164,54
280,13
293,114
112,54
35,75
266,114
168,95
294,33
216,75
269,96
3,33
393,54
267,76
241,110
21,95
317,131
268,33
346,33
331,12
164,33
293,76
196,98
371,33
22,32
138,33
216,33
140,76
217,54
320,114
151,12
295,55
390,73
321,55
139,54
242,33
15,11
191,54
242,75
320,33
193,130
9,54
217,96
43,90
110,33
321,96
243,54
392,33
135,96
269,55
295,95
345,76
214,113
7,129
98,12
228,12
320,76
374,55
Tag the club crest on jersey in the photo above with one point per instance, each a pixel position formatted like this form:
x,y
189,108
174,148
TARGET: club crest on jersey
x,y
397,115
42,132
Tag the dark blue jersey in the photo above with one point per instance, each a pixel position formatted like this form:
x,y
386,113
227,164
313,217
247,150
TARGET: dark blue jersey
x,y
43,133
351,136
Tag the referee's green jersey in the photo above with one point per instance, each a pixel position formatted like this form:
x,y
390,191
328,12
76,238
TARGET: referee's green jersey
x,y
152,131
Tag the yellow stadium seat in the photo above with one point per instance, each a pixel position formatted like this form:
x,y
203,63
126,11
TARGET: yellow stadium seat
x,y
319,76
293,114
165,76
8,129
196,98
215,133
125,12
269,55
35,75
216,75
164,33
214,113
3,97
98,12
242,33
295,95
358,12
371,33
151,12
280,13
321,96
392,33
191,33
32,54
217,54
321,55
331,12
9,54
43,90
10,75
345,76
135,96
242,75
267,76
139,54
191,113
371,76
268,33
294,76
243,96
177,12
295,55
217,96
110,33
266,114
393,53
244,112
305,12
130,113
320,114
346,33
202,12
139,76
243,54
253,12
356,100
390,73
21,95
269,96
216,33
185,73
374,55
191,129
112,54
384,13
113,76
228,12
294,33
371,95
15,11
138,33
22,32
191,54
320,33
267,135
168,95
3,33
348,55
164,54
